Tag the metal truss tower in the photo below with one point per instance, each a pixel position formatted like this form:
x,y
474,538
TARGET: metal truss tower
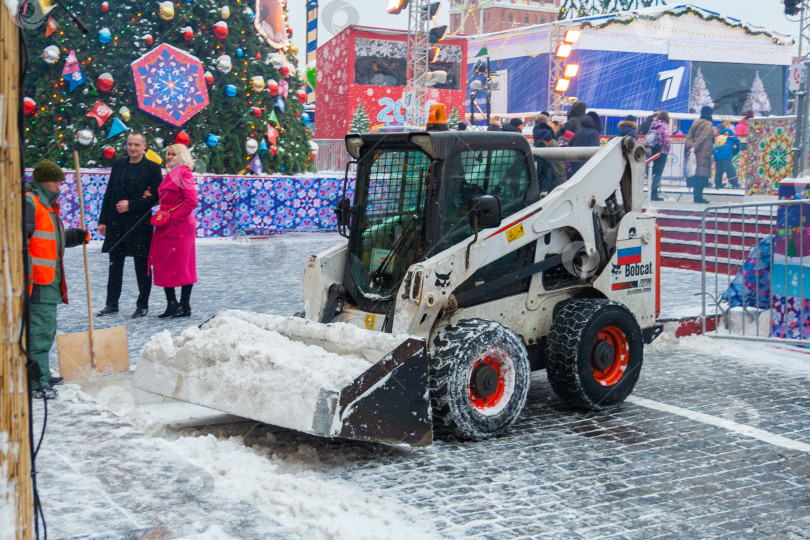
x,y
415,96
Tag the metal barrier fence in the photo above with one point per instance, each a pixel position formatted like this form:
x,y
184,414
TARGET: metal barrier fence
x,y
332,155
768,297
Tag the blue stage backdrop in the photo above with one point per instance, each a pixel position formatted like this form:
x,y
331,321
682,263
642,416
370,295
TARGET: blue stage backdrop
x,y
229,205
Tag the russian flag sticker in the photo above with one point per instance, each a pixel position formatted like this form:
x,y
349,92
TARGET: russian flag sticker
x,y
629,255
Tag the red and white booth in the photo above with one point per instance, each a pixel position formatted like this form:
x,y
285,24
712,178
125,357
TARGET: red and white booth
x,y
369,66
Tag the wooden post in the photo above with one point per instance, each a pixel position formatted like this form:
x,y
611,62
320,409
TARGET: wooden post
x,y
15,451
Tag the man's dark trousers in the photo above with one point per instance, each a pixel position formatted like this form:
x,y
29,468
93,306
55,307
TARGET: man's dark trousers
x,y
116,277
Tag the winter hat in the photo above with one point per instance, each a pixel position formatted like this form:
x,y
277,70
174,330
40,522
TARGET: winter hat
x,y
630,118
541,119
568,135
706,112
48,171
517,122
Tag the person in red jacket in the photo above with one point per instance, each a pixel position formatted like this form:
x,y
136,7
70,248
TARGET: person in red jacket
x,y
47,240
172,255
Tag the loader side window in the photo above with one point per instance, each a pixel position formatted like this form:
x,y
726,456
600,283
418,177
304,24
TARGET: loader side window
x,y
502,172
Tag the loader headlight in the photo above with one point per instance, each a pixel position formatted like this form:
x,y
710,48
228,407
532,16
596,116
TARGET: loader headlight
x,y
353,145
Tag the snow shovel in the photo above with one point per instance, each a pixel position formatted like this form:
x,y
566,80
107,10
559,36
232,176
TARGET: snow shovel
x,y
83,355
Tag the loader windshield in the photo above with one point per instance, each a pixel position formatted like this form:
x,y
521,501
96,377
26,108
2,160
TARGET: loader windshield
x,y
388,229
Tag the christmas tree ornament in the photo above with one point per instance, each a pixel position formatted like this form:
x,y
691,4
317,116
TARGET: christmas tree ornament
x,y
29,105
284,70
105,82
109,152
230,91
258,56
294,50
182,138
302,95
251,145
169,84
311,74
273,118
272,135
212,140
104,36
255,165
283,88
249,14
240,53
276,59
105,7
224,12
280,105
51,54
188,33
116,128
85,137
220,29
305,118
51,27
209,78
72,73
100,112
274,150
166,11
289,31
124,113
257,83
272,87
148,39
257,112
262,147
224,63
151,155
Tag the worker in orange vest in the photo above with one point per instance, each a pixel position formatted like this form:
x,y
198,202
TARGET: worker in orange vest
x,y
46,242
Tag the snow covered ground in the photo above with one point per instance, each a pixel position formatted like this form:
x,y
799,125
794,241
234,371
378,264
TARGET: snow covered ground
x,y
118,462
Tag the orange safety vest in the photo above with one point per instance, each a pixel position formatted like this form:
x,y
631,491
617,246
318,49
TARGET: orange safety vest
x,y
43,247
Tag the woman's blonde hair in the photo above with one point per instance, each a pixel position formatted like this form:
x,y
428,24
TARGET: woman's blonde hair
x,y
183,155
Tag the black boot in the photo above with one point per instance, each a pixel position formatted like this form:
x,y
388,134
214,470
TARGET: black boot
x,y
172,308
183,311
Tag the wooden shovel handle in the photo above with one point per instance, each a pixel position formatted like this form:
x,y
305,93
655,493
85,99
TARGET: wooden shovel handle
x,y
86,264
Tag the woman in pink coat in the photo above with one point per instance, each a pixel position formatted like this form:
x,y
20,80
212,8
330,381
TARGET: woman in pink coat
x,y
173,257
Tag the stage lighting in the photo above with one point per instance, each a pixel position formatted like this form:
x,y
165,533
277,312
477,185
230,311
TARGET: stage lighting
x,y
433,54
562,85
476,85
563,50
571,70
437,33
433,10
571,36
480,67
396,6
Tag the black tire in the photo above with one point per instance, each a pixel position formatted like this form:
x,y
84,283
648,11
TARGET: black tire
x,y
584,360
479,379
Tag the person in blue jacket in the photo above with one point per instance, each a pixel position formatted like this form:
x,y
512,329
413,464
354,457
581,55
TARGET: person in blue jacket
x,y
725,147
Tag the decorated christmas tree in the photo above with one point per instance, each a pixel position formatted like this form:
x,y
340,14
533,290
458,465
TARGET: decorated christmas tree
x,y
454,119
757,100
360,122
197,72
699,96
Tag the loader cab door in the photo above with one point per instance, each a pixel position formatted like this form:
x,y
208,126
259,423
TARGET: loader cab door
x,y
505,173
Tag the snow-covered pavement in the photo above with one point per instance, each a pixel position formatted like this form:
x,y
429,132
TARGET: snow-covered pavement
x,y
714,442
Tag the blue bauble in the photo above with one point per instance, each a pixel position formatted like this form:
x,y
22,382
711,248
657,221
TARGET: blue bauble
x,y
212,140
240,53
282,167
230,91
305,118
104,35
280,104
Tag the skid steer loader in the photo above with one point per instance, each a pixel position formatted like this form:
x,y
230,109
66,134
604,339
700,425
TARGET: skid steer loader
x,y
475,278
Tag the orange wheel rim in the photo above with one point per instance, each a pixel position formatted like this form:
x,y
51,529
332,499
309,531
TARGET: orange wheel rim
x,y
489,382
610,354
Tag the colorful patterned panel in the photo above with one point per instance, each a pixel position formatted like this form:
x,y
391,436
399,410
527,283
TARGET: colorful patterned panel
x,y
770,159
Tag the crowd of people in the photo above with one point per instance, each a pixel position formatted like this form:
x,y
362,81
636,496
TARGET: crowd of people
x,y
162,244
709,144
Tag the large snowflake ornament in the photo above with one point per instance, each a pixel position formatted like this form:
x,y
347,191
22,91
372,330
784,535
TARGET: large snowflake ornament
x,y
170,84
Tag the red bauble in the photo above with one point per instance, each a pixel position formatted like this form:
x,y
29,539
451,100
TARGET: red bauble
x,y
188,34
285,71
221,29
302,95
182,138
109,152
272,87
257,112
29,105
258,56
105,82
209,78
105,7
273,150
289,31
148,39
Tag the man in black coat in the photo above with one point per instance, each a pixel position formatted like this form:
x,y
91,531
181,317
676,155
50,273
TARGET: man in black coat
x,y
124,222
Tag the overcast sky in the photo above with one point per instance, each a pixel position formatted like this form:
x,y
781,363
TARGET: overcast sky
x,y
334,15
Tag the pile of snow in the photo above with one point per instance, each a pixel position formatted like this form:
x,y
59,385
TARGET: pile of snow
x,y
749,322
245,364
303,500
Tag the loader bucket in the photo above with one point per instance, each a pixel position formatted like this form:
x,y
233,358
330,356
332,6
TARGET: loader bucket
x,y
330,380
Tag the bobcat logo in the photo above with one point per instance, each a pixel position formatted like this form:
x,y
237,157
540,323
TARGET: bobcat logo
x,y
443,280
616,270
